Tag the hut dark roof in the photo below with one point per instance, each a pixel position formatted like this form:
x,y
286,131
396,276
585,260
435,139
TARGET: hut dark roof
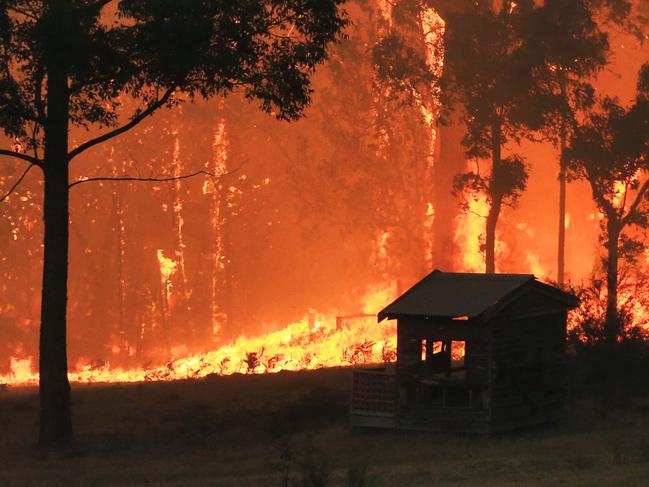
x,y
449,294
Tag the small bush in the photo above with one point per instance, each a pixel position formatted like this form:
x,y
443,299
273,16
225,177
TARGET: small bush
x,y
612,371
301,466
286,459
359,474
315,469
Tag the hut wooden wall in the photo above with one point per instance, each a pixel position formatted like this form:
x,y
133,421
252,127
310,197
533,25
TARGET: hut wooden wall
x,y
527,367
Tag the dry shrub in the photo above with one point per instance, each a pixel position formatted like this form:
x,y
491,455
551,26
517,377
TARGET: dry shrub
x,y
611,370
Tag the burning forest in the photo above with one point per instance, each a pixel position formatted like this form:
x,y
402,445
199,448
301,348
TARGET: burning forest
x,y
249,208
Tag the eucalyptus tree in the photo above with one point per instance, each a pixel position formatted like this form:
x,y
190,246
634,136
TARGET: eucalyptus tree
x,y
568,41
490,75
610,150
70,63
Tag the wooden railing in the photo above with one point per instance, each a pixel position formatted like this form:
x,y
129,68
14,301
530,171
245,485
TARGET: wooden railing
x,y
373,392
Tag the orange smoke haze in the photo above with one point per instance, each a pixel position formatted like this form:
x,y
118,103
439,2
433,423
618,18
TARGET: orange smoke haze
x,y
331,216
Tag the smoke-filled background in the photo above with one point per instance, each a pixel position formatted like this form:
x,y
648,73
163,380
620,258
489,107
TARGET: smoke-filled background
x,y
302,216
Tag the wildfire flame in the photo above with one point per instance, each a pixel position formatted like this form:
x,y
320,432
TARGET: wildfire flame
x,y
326,341
470,228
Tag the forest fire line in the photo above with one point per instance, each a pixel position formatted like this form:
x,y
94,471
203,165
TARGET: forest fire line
x,y
314,342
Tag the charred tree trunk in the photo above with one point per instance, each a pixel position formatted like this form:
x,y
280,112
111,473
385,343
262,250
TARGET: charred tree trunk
x,y
228,294
496,200
490,236
118,218
55,414
612,326
561,249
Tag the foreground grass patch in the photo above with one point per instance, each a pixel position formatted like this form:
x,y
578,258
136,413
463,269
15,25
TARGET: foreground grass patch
x,y
290,429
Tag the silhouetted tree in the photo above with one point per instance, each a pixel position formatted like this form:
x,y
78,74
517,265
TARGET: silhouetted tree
x,y
565,36
490,75
610,150
67,63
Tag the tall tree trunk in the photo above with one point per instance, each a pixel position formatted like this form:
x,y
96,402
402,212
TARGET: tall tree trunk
x,y
118,217
496,200
561,250
612,326
228,294
55,417
55,414
217,207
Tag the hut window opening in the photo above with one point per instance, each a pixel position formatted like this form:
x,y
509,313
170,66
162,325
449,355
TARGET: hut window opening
x,y
458,352
431,349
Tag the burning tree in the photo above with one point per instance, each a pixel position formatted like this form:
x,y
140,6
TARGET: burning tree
x,y
384,131
610,150
70,63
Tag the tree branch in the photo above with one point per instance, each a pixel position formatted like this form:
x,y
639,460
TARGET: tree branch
x,y
20,11
16,184
152,179
135,120
636,203
598,195
18,155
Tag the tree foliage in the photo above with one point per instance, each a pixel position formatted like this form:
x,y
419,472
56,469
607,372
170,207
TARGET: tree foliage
x,y
610,150
571,47
73,63
149,49
490,78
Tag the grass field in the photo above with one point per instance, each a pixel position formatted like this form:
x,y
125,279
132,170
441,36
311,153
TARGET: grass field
x,y
291,429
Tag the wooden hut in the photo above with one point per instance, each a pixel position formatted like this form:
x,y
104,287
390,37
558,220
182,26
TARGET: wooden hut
x,y
476,353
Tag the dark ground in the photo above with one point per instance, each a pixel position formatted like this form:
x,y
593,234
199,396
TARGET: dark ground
x,y
261,430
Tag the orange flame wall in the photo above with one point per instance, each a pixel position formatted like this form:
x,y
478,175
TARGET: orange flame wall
x,y
335,212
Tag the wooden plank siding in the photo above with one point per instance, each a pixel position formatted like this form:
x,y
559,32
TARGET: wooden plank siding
x,y
527,368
